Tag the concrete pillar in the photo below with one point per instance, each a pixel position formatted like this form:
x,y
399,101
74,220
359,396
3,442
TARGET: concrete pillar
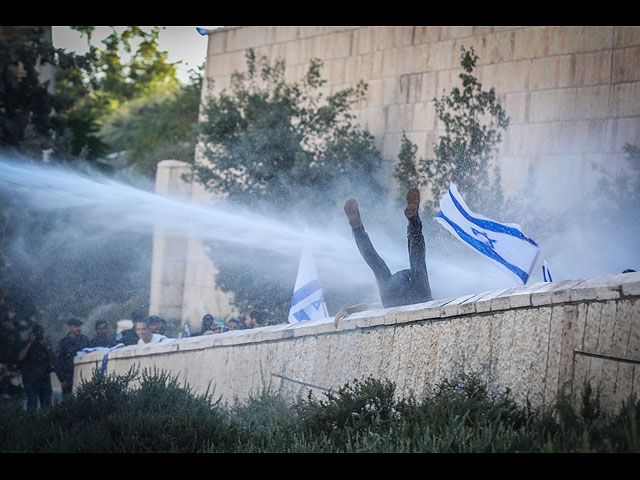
x,y
169,252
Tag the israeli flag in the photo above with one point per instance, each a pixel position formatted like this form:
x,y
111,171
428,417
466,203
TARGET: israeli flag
x,y
307,302
502,243
546,274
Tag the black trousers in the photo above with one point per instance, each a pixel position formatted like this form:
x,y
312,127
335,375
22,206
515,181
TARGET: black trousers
x,y
404,287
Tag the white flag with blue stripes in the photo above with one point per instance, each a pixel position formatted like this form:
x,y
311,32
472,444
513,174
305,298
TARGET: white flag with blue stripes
x,y
502,243
307,302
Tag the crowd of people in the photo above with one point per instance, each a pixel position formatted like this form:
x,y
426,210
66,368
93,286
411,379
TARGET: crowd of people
x,y
38,358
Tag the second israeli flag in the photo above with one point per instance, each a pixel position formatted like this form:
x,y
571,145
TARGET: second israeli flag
x,y
307,302
502,243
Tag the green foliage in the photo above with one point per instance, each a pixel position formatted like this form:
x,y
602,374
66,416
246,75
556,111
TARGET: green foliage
x,y
109,83
405,171
270,141
620,191
112,81
262,423
152,412
27,123
157,128
359,409
100,271
473,122
115,415
274,145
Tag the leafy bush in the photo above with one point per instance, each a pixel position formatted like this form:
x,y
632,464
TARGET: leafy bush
x,y
153,412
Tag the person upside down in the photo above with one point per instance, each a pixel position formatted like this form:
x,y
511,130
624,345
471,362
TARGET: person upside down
x,y
404,287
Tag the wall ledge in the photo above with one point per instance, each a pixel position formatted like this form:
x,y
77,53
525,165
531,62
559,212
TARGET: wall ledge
x,y
601,288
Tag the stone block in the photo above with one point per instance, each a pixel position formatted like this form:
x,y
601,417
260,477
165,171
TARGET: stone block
x,y
516,104
587,38
507,77
592,68
195,343
501,301
626,36
608,327
500,46
553,292
605,287
624,99
552,105
592,327
402,314
450,308
426,35
631,284
469,305
622,327
484,303
430,310
633,348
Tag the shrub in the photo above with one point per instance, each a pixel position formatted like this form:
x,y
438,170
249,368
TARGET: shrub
x,y
152,412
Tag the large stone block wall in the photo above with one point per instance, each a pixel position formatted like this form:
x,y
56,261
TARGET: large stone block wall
x,y
572,92
535,340
572,95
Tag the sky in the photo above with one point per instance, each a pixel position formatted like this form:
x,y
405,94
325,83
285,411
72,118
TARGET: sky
x,y
182,43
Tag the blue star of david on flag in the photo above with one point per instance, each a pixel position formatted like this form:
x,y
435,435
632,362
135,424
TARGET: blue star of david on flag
x,y
502,243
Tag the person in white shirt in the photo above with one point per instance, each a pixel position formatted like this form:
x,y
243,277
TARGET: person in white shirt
x,y
145,334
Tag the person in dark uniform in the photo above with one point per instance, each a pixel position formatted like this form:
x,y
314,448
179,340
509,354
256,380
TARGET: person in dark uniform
x,y
67,349
102,335
129,336
35,363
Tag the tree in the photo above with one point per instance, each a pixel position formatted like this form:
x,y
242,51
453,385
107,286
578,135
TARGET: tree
x,y
31,117
405,171
473,122
282,146
35,254
111,83
156,129
273,141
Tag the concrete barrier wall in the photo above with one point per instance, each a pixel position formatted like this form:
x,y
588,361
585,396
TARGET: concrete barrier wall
x,y
535,340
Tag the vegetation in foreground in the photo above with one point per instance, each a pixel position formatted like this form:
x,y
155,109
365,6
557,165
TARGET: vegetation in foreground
x,y
160,415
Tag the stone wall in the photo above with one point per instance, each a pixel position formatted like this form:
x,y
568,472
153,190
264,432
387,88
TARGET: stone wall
x,y
572,93
535,340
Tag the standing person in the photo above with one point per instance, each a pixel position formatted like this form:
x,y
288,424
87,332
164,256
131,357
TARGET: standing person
x,y
405,287
207,325
73,342
35,360
102,335
157,324
129,336
145,335
233,324
255,319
